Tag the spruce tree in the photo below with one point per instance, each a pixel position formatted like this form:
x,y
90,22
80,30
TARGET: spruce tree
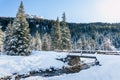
x,y
36,42
20,37
107,45
84,43
52,36
49,42
79,44
46,42
32,43
66,36
1,39
57,36
92,44
7,40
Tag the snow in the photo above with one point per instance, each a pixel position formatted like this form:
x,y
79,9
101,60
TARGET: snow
x,y
34,78
23,64
109,69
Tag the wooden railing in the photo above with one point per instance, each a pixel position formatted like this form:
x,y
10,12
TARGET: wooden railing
x,y
96,52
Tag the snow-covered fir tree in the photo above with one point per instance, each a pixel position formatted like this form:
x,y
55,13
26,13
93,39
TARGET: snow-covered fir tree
x,y
46,42
19,41
66,36
107,45
52,35
91,44
32,43
7,40
36,42
49,41
79,44
57,36
1,40
84,43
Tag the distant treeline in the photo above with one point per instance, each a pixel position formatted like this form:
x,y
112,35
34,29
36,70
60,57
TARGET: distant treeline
x,y
90,32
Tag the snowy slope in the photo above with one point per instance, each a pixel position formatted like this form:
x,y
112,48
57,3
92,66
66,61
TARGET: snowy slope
x,y
110,70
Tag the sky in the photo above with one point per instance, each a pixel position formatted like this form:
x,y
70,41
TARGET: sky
x,y
77,11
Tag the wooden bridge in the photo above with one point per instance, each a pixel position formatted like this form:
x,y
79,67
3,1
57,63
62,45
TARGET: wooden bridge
x,y
96,52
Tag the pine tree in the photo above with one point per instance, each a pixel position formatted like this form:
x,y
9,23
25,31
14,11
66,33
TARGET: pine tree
x,y
84,43
66,36
57,36
36,42
79,44
107,45
52,35
49,42
32,43
1,40
7,40
46,42
20,37
92,44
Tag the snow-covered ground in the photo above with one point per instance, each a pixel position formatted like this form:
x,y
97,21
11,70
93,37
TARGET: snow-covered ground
x,y
23,64
110,69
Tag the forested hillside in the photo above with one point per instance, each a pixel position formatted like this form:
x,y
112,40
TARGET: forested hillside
x,y
84,36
